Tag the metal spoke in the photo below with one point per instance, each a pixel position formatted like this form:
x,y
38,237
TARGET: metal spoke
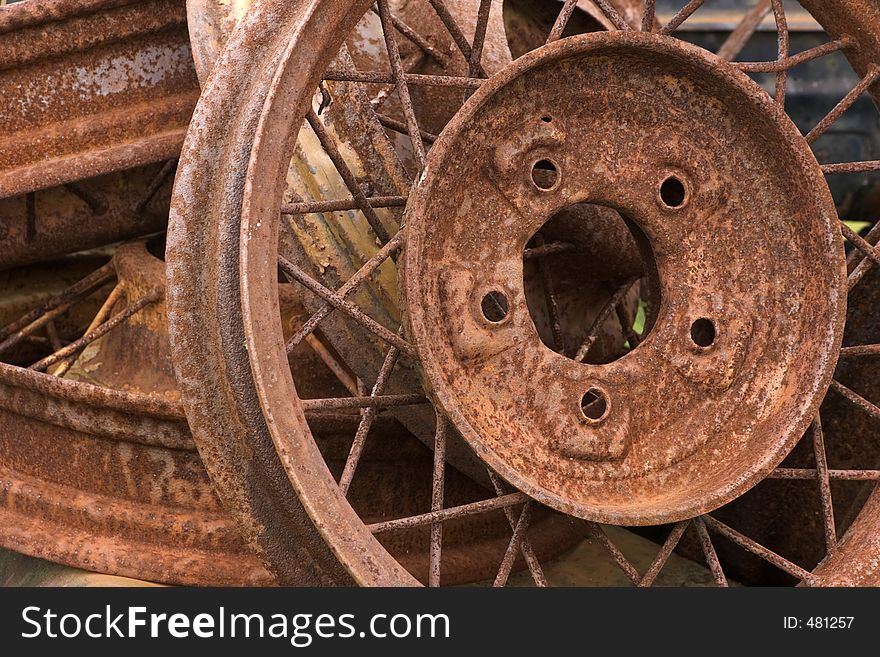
x,y
612,14
58,304
417,39
437,485
452,513
525,545
349,309
870,252
551,303
759,550
366,423
851,167
554,248
603,315
664,554
476,58
156,183
596,533
455,32
418,79
631,336
861,350
562,20
794,60
783,47
841,107
683,14
856,399
824,486
513,547
400,127
96,202
834,475
99,318
747,27
337,368
380,401
101,330
360,276
649,15
351,182
709,552
342,205
398,75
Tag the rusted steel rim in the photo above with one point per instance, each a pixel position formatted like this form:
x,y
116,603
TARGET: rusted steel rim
x,y
226,268
90,88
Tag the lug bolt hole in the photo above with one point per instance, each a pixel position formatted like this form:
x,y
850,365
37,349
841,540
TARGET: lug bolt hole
x,y
495,307
545,175
594,405
673,192
547,119
703,332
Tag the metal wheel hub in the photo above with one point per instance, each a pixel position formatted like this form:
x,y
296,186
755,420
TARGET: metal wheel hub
x,y
743,258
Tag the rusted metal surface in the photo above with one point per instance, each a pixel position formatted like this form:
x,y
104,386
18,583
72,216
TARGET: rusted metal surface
x,y
90,88
637,461
49,223
223,267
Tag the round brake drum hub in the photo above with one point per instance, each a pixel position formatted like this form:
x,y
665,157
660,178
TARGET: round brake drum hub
x,y
742,249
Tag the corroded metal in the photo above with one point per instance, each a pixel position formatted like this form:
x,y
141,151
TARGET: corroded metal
x,y
653,454
90,88
222,251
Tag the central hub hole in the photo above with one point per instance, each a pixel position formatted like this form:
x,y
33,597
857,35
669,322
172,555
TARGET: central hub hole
x,y
591,284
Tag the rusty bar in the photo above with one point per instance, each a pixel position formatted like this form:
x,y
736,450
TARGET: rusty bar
x,y
337,368
649,15
550,300
437,496
562,20
104,328
52,334
759,550
612,14
361,275
683,14
783,48
795,60
156,183
811,474
741,34
400,127
398,74
528,552
415,38
454,30
341,304
851,167
870,252
375,77
554,248
366,423
860,350
841,107
474,508
351,182
824,486
78,289
92,88
342,205
513,547
709,552
97,204
856,399
665,552
596,533
99,318
631,336
603,315
384,401
476,58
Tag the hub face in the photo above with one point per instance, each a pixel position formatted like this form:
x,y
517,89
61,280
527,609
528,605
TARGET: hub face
x,y
745,258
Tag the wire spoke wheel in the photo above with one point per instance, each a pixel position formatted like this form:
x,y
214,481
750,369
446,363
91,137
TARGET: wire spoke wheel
x,y
604,281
